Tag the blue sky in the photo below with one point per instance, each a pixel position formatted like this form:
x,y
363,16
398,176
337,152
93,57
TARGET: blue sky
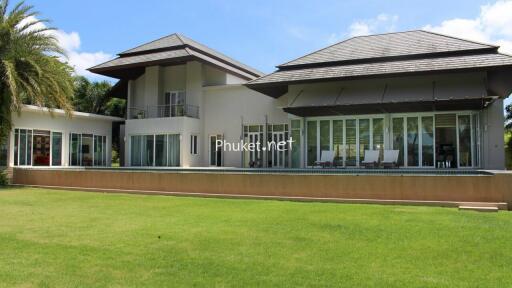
x,y
262,33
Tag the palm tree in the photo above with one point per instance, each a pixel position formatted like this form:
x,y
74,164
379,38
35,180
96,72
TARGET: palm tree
x,y
30,69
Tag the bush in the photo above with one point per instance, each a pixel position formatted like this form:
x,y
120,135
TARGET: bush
x,y
3,178
508,149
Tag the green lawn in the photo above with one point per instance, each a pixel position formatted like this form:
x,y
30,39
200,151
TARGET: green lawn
x,y
53,238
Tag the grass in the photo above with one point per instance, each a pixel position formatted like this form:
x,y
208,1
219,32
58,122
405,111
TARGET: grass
x,y
54,238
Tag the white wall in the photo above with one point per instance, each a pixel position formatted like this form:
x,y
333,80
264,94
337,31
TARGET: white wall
x,y
59,123
224,109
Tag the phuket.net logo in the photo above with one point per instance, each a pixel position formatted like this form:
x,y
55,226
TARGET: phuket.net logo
x,y
254,146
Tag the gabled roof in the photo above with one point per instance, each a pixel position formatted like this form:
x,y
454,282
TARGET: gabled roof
x,y
174,48
397,44
384,55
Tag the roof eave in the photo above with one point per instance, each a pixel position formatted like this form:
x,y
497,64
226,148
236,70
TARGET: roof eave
x,y
276,89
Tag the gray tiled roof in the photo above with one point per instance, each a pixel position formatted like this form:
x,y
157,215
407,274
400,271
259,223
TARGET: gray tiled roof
x,y
388,45
176,40
172,40
142,58
388,67
176,46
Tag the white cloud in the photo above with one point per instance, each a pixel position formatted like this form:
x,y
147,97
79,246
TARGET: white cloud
x,y
71,43
493,25
383,23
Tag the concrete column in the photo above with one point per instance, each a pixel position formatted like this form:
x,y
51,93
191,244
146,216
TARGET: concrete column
x,y
493,149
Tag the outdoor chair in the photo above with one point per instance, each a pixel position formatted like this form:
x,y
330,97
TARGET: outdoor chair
x,y
326,159
390,159
371,158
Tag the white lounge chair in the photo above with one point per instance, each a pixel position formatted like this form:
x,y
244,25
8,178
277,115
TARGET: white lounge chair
x,y
371,158
390,159
326,158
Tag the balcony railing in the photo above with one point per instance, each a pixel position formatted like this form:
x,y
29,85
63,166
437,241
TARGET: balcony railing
x,y
164,111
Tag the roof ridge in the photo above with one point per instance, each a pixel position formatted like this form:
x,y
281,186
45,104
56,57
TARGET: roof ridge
x,y
459,38
201,47
350,38
153,41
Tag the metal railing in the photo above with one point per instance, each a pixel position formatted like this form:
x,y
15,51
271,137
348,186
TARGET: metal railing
x,y
164,111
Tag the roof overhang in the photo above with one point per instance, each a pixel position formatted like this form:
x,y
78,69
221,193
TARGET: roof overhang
x,y
499,80
402,107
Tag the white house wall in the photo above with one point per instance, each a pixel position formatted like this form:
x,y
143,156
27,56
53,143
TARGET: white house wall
x,y
225,109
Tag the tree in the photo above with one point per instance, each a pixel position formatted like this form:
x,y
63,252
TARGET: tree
x,y
30,69
92,97
508,117
508,136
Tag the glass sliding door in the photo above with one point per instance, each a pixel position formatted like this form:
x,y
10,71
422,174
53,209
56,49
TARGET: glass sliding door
x,y
351,142
475,142
74,149
337,141
464,141
87,150
56,149
378,136
147,150
325,135
446,140
173,150
23,147
136,150
398,138
41,148
296,138
312,142
364,137
215,154
253,134
100,150
413,142
161,150
427,141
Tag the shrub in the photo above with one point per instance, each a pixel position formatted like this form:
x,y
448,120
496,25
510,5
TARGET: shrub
x,y
3,178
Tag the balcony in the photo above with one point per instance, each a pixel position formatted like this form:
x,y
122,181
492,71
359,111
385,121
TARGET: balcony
x,y
164,111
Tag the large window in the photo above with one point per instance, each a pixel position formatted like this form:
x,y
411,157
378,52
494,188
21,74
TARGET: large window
x,y
100,151
446,140
465,147
413,142
56,148
296,137
161,150
193,144
22,147
253,134
427,141
215,154
378,135
312,142
364,137
277,133
337,139
398,138
87,150
351,142
442,140
37,148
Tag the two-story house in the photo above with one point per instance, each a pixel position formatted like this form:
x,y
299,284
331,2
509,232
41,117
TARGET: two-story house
x,y
436,99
